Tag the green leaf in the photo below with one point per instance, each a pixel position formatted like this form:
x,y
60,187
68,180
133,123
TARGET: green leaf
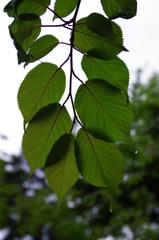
x,y
104,111
97,45
61,168
113,71
11,8
97,23
41,47
46,127
64,7
21,54
18,7
119,8
100,163
23,30
42,85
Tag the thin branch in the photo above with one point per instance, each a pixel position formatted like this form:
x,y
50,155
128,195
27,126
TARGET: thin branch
x,y
52,12
71,61
74,22
77,77
67,27
72,44
80,51
60,25
80,123
73,123
78,24
66,100
60,67
64,43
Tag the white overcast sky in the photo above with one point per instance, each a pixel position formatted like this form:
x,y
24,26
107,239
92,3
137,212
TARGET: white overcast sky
x,y
141,38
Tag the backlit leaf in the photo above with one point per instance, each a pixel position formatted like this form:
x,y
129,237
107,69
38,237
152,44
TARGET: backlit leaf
x,y
64,7
21,54
41,47
113,71
17,7
42,85
23,30
11,8
61,168
100,163
104,111
119,8
97,23
46,127
97,45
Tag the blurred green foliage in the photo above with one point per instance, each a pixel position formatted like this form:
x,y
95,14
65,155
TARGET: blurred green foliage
x,y
30,208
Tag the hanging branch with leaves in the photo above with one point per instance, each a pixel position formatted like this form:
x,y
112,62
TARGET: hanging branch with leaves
x,y
101,106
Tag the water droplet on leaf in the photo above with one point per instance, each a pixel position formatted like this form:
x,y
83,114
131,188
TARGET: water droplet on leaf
x,y
110,209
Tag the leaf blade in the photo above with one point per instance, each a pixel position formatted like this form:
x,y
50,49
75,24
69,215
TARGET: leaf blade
x,y
61,168
97,23
23,30
18,7
100,163
41,48
119,8
96,45
47,126
64,7
113,71
104,111
42,85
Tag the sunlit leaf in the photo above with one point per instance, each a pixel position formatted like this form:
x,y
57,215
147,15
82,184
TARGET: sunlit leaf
x,y
113,71
119,8
64,7
17,7
47,126
97,45
104,111
23,30
41,47
100,163
61,168
42,85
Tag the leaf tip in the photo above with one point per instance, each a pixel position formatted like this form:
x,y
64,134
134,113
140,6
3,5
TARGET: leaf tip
x,y
125,49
